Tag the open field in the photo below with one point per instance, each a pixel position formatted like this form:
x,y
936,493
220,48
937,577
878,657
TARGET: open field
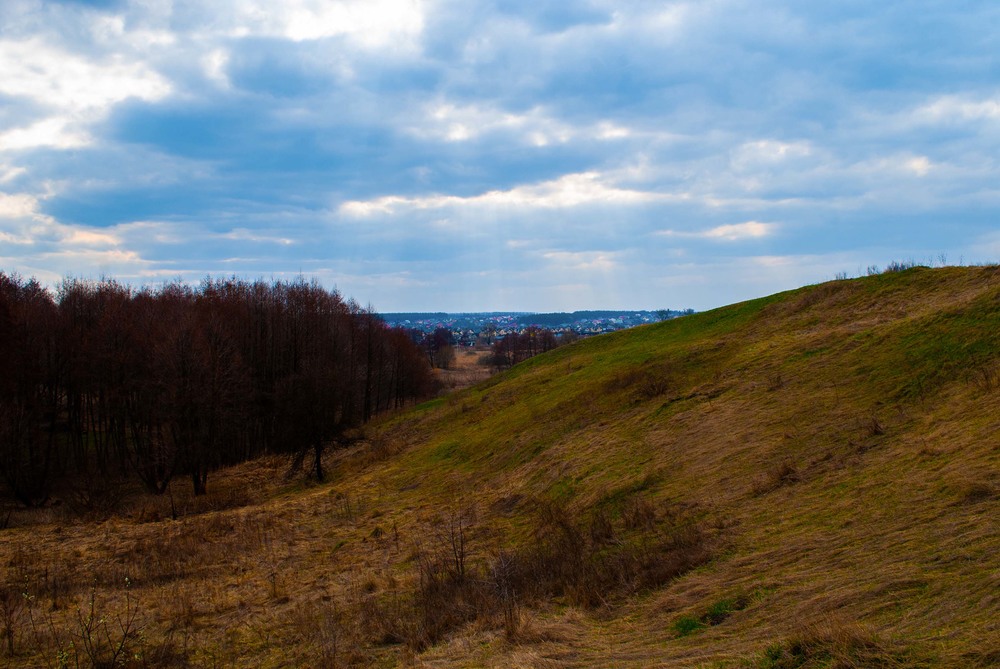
x,y
467,369
810,479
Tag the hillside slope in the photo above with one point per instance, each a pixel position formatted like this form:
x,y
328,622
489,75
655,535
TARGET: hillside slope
x,y
809,479
846,437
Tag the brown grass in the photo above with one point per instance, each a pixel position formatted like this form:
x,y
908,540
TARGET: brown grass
x,y
467,370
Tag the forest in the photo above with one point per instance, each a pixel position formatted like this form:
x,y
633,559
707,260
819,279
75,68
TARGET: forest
x,y
102,383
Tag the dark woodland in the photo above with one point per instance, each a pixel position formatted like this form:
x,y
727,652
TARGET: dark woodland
x,y
102,383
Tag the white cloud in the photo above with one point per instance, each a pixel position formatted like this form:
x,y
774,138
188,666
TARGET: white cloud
x,y
920,165
18,206
8,173
71,90
119,259
456,123
48,249
948,108
537,127
609,130
89,237
584,261
768,151
112,30
728,233
24,223
245,235
672,19
571,190
157,232
737,231
214,65
61,80
55,132
369,23
776,261
906,164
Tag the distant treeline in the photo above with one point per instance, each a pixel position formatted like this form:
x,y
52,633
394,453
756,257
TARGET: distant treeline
x,y
400,316
517,347
560,318
581,321
552,319
100,381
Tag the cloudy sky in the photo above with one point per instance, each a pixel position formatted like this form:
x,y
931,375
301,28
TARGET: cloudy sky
x,y
498,154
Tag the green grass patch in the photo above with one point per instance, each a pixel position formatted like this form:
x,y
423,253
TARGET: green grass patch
x,y
449,451
716,614
686,625
430,404
919,358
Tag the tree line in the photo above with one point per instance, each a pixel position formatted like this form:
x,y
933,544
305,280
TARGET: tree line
x,y
505,351
518,346
102,381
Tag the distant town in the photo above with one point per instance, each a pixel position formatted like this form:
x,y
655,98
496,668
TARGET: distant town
x,y
472,329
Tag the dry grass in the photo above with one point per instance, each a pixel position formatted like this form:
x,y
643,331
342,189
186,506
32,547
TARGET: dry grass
x,y
577,482
467,370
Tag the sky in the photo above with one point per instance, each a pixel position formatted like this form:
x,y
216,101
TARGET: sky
x,y
479,155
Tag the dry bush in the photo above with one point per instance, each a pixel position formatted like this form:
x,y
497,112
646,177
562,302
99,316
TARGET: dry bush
x,y
645,550
104,632
323,634
985,375
381,448
12,618
986,657
108,639
639,514
644,383
154,508
836,646
811,297
97,496
783,474
450,592
181,549
775,382
586,561
873,426
32,576
976,491
502,570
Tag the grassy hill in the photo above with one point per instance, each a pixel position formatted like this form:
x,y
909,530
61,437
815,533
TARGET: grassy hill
x,y
810,479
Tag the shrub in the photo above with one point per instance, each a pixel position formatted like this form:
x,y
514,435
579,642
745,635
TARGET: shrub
x,y
783,474
12,614
835,646
586,562
644,383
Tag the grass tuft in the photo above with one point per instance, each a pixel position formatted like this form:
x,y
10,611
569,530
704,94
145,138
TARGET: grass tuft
x,y
836,646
